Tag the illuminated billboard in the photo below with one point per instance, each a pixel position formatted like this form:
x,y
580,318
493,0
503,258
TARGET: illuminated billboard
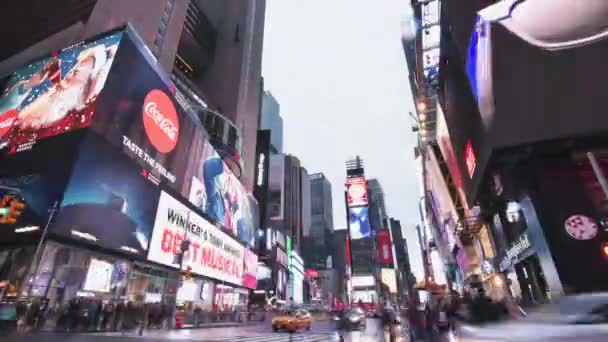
x,y
212,252
107,202
356,191
385,246
389,279
56,94
359,223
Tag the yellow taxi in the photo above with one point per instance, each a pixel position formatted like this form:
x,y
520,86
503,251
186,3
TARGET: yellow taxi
x,y
292,321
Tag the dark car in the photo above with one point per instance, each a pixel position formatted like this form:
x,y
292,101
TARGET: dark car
x,y
354,318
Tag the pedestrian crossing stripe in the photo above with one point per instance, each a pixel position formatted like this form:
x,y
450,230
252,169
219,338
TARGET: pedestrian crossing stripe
x,y
281,337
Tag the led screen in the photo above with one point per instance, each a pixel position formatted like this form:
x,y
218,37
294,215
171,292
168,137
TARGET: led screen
x,y
56,94
356,191
108,201
138,114
359,223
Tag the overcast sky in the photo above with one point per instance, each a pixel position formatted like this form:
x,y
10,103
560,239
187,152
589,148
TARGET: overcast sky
x,y
338,70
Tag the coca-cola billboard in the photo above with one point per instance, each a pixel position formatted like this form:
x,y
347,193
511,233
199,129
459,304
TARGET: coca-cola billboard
x,y
160,121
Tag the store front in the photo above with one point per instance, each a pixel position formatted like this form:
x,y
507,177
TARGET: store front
x,y
195,298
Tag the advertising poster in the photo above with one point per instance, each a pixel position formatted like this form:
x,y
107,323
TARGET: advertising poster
x,y
138,114
99,276
55,95
108,201
251,270
356,191
224,199
385,246
389,279
212,252
359,223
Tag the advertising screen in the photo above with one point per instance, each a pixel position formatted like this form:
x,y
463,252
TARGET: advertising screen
x,y
138,114
389,279
55,95
359,223
385,247
99,276
108,201
356,191
212,252
363,281
251,270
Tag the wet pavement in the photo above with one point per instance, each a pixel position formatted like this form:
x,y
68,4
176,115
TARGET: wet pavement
x,y
323,331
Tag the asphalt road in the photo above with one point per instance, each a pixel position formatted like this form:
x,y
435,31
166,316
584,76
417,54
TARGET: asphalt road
x,y
323,331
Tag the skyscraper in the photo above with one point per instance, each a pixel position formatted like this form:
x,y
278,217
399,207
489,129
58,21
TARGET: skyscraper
x,y
318,240
377,208
271,119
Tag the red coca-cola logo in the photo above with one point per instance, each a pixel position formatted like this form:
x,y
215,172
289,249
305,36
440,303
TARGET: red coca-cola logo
x,y
7,119
160,121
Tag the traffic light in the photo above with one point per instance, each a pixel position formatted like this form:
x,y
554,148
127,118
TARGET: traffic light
x,y
11,208
605,250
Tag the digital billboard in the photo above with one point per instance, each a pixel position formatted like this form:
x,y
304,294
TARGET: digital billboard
x,y
108,201
212,252
389,279
138,114
356,191
359,223
56,94
250,271
385,246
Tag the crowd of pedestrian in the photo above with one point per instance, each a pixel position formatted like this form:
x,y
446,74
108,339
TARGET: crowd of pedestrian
x,y
447,311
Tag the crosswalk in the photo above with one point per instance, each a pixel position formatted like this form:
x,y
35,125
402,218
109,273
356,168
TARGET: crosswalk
x,y
283,337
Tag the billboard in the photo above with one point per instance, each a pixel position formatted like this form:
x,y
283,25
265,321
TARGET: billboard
x,y
108,201
138,114
250,271
363,281
389,279
356,191
56,94
359,223
212,252
385,246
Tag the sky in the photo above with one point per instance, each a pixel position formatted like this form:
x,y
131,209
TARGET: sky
x,y
338,70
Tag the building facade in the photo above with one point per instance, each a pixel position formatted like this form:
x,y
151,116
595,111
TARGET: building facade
x,y
318,239
271,119
213,50
520,195
105,222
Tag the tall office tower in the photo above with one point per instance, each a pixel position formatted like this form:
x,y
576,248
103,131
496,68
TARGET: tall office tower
x,y
271,120
318,241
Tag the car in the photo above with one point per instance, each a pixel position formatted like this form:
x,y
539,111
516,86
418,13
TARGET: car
x,y
574,318
354,318
292,321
